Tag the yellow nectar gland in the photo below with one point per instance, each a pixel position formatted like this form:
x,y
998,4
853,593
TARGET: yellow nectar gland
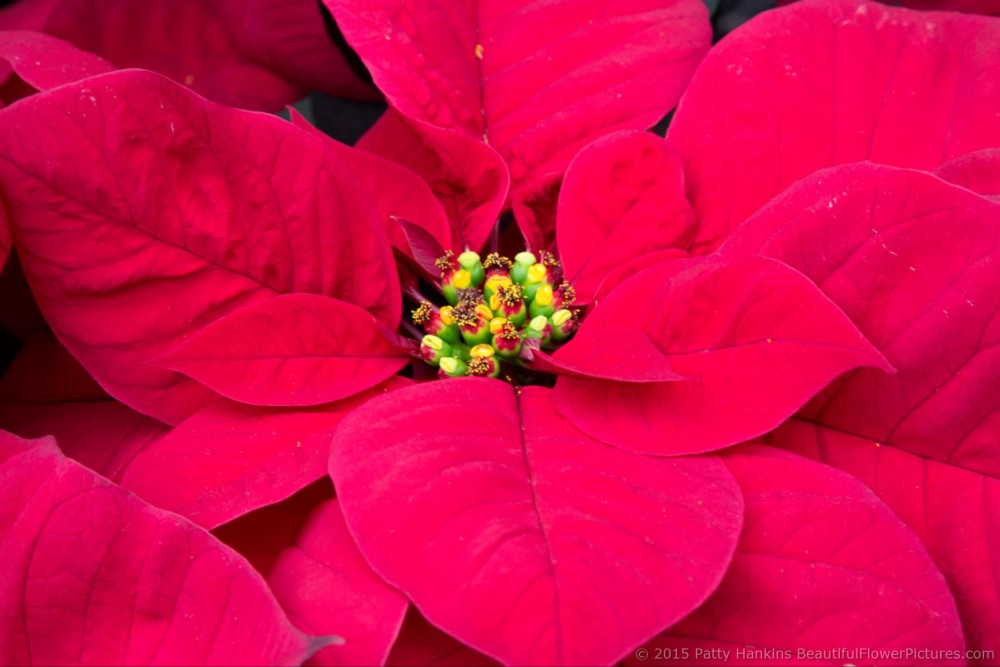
x,y
497,324
481,351
495,282
537,273
447,315
461,279
543,297
495,302
484,312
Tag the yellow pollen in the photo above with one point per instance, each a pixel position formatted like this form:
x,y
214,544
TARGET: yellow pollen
x,y
543,297
484,312
481,366
461,279
509,332
482,351
511,295
536,274
497,325
448,315
466,315
446,262
495,260
479,51
422,314
568,293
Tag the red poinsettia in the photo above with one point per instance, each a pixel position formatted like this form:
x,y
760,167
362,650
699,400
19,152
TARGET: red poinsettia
x,y
233,275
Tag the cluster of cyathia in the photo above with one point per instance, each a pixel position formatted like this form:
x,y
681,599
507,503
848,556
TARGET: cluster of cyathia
x,y
496,309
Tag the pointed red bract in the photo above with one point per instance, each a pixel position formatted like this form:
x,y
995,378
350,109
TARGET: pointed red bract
x,y
914,262
469,178
521,536
623,197
45,62
145,212
292,350
327,588
229,459
827,82
218,49
537,81
92,575
754,339
822,565
395,190
420,644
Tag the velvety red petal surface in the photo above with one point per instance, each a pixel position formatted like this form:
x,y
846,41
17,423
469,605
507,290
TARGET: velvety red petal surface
x,y
45,62
327,588
978,171
955,511
622,197
215,48
396,191
827,82
93,575
914,262
143,213
420,644
229,459
292,350
521,536
822,565
537,81
755,339
469,178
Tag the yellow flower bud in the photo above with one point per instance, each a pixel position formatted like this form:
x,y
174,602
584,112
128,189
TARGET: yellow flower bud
x,y
448,315
496,325
537,273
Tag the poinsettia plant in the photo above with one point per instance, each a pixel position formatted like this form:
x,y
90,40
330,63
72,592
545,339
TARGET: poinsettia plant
x,y
511,380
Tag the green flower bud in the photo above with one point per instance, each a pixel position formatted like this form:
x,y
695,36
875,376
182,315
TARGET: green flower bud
x,y
470,261
563,325
432,349
522,262
452,367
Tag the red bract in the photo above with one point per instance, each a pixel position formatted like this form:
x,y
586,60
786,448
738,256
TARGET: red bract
x,y
578,524
829,82
94,576
623,197
954,511
260,54
520,535
750,342
324,565
914,262
535,81
169,226
822,565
